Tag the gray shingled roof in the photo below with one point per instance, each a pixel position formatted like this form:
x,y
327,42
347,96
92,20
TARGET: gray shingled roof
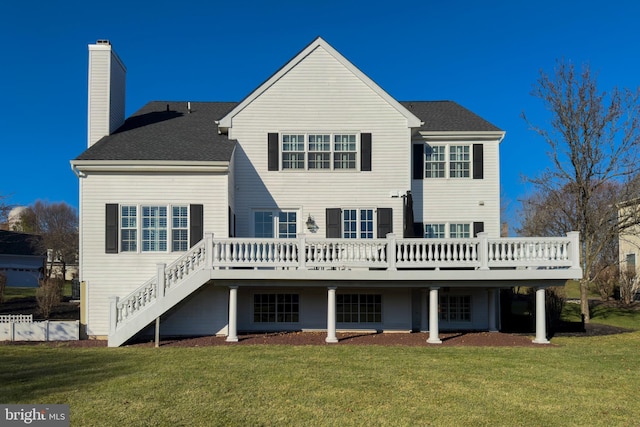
x,y
15,243
447,116
164,130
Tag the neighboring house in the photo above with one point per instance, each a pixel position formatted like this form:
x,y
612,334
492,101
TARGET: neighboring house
x,y
296,209
629,246
21,258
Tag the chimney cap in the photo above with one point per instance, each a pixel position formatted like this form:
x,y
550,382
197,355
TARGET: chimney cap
x,y
103,41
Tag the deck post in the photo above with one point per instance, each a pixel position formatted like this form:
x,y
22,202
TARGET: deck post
x,y
483,250
208,249
302,251
114,314
331,315
391,251
541,318
574,246
434,330
232,333
157,344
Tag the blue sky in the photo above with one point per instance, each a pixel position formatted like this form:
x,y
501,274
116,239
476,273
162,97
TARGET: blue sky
x,y
484,55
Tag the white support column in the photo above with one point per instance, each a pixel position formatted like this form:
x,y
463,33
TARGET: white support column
x,y
232,333
424,310
331,315
491,295
541,318
434,332
157,337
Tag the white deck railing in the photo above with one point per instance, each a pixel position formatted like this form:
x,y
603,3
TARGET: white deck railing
x,y
390,253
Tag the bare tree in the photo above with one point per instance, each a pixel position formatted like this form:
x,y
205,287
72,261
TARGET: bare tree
x,y
57,223
5,208
593,138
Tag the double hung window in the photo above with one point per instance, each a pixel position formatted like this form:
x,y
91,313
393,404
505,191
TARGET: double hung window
x,y
459,161
293,152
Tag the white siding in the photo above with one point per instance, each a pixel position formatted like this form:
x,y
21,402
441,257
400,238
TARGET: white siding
x,y
118,274
205,312
462,200
320,95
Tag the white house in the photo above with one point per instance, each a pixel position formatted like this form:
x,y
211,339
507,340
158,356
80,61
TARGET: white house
x,y
318,202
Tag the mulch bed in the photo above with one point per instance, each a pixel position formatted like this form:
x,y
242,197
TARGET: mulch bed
x,y
449,339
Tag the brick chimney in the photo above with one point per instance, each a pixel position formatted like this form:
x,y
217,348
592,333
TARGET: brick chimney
x,y
107,75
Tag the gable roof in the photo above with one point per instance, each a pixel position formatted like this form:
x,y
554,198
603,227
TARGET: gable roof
x,y
14,243
167,131
448,116
226,121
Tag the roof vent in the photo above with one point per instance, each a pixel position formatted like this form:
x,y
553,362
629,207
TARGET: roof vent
x,y
103,42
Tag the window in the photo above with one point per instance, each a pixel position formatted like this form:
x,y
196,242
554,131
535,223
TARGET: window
x,y
357,223
128,229
293,154
631,263
319,151
439,231
287,225
434,231
263,223
359,308
344,156
459,231
156,222
154,228
449,161
435,161
455,308
180,229
459,160
268,224
276,308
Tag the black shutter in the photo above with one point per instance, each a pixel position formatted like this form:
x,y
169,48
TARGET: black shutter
x,y
273,152
333,220
385,222
418,229
478,160
418,161
111,229
196,221
365,151
478,227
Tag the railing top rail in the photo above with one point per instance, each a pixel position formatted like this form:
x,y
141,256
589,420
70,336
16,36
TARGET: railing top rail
x,y
530,239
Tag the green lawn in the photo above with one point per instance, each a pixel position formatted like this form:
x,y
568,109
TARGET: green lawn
x,y
583,381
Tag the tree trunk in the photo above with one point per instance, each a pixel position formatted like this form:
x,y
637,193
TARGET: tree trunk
x,y
584,300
